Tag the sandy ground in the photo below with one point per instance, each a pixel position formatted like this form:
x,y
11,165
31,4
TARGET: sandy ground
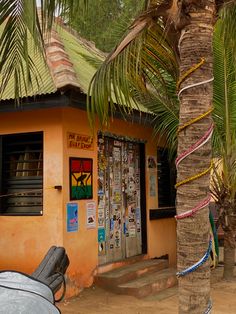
x,y
96,300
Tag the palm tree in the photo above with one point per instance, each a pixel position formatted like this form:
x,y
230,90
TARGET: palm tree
x,y
148,73
188,28
224,179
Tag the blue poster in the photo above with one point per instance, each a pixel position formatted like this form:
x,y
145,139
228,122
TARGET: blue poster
x,y
72,217
101,235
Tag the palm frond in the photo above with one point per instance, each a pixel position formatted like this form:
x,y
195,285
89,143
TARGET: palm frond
x,y
228,29
18,25
224,140
112,82
165,122
113,35
95,62
224,90
223,182
144,53
22,27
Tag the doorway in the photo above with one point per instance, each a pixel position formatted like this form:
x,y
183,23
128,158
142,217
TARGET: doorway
x,y
121,204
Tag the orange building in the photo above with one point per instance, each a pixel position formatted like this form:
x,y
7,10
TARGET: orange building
x,y
98,195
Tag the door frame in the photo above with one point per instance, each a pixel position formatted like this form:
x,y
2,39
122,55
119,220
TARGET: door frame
x,y
143,198
142,185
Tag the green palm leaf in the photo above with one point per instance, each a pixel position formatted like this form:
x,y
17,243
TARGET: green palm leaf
x,y
224,139
228,28
22,28
14,57
224,91
129,72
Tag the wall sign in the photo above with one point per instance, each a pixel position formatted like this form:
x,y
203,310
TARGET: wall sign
x,y
80,141
81,178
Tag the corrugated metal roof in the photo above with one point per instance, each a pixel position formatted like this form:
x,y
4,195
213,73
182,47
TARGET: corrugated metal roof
x,y
66,66
79,51
45,85
76,50
48,77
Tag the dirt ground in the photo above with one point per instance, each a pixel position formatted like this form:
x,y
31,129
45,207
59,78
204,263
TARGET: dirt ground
x,y
96,300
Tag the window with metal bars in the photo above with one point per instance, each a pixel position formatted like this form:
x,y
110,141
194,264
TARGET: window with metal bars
x,y
166,173
21,169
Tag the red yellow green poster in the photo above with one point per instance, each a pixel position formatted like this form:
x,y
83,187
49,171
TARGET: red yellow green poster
x,y
81,178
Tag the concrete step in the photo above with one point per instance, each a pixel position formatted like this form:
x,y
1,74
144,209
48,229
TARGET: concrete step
x,y
111,279
149,284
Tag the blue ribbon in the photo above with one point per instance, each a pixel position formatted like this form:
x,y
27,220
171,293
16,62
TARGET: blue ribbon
x,y
198,264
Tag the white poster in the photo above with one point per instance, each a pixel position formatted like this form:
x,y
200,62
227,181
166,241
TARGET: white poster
x,y
91,215
152,184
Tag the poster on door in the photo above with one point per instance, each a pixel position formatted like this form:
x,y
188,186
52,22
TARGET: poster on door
x,y
132,223
101,214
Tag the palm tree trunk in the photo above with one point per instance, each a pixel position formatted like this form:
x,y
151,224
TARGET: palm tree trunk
x,y
229,253
193,232
229,227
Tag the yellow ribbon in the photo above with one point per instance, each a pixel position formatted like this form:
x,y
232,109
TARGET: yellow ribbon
x,y
195,176
187,73
184,126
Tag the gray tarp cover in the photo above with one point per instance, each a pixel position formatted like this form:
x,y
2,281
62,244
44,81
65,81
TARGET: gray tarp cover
x,y
20,294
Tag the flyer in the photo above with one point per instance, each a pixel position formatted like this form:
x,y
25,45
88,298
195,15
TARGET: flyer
x,y
91,215
72,217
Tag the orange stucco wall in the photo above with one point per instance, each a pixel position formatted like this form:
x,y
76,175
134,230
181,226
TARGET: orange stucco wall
x,y
25,240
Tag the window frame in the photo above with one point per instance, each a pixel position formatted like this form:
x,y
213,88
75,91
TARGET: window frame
x,y
170,181
30,203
